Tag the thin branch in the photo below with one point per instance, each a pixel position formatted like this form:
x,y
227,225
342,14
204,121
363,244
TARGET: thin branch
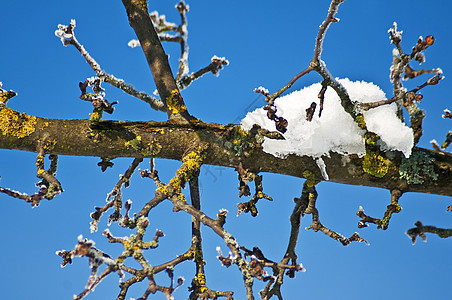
x,y
117,200
383,223
271,98
67,35
405,96
49,186
420,230
182,8
215,66
198,288
334,6
310,193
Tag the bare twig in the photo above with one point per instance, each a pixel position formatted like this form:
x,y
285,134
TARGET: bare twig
x,y
407,96
273,286
117,200
420,230
310,193
383,223
49,186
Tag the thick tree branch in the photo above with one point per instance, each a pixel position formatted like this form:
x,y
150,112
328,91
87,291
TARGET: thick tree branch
x,y
425,171
137,12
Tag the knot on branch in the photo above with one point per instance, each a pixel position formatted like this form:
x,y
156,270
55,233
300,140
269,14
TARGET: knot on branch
x,y
97,98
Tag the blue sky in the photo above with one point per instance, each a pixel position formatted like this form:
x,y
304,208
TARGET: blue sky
x,y
266,44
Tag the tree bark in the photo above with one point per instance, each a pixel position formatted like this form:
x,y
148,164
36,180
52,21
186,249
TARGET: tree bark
x,y
225,144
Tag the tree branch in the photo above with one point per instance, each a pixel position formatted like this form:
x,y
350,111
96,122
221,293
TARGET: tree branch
x,y
137,12
168,140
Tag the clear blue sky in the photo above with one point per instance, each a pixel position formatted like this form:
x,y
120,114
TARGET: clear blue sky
x,y
266,42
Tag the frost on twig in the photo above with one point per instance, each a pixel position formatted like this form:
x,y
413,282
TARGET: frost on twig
x,y
49,186
401,70
67,36
96,258
171,32
97,99
5,95
448,141
116,202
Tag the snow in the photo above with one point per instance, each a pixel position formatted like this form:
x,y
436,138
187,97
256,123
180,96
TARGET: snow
x,y
335,131
395,33
133,43
217,58
261,90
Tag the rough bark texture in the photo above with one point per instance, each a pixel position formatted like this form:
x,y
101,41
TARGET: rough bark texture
x,y
425,171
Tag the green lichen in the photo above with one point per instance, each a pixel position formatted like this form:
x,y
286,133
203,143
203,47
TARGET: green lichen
x,y
243,142
151,149
374,164
16,124
310,178
392,208
135,143
417,168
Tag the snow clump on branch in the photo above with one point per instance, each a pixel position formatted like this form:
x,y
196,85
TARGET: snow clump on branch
x,y
335,130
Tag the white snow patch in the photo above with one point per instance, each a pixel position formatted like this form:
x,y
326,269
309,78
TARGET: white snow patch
x,y
335,131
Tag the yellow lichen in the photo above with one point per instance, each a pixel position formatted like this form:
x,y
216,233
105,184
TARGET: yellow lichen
x,y
96,115
163,190
6,95
200,282
40,164
371,139
174,102
360,121
195,122
49,145
16,124
143,4
191,164
161,131
375,165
